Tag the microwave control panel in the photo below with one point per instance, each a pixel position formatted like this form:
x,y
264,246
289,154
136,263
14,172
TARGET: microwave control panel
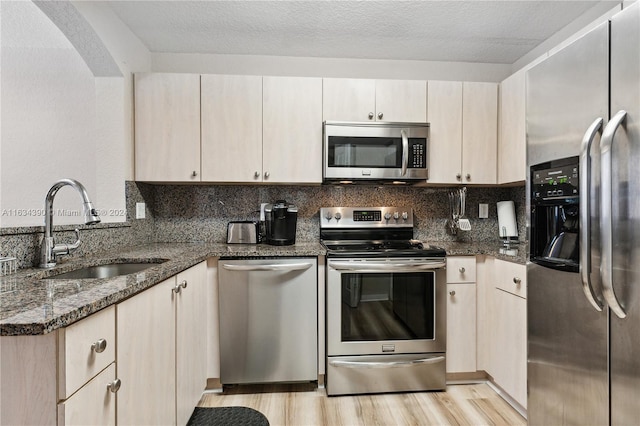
x,y
417,153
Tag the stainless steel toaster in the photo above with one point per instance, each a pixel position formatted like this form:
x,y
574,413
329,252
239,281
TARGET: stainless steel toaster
x,y
242,232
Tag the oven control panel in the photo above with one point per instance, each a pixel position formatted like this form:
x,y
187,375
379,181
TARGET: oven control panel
x,y
366,217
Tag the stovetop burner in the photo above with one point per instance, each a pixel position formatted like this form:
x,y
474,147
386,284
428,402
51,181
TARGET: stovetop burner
x,y
372,232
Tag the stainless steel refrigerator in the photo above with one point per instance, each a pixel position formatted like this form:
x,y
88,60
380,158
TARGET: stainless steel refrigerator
x,y
583,196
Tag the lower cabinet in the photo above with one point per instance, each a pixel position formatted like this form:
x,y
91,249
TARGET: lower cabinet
x,y
508,365
461,314
461,328
93,404
161,353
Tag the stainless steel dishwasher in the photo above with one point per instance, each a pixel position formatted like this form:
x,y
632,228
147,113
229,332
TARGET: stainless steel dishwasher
x,y
268,320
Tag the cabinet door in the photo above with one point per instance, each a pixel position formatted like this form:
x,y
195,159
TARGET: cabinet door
x,y
146,357
93,404
231,128
510,347
479,132
512,142
167,127
444,107
191,348
348,99
292,130
401,101
461,328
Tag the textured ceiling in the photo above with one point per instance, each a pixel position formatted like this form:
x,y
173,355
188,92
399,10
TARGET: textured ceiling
x,y
467,31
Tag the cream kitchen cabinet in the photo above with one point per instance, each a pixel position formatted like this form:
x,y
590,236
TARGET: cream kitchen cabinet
x,y
464,124
161,355
461,314
167,127
231,128
94,404
509,324
292,130
62,376
512,144
374,100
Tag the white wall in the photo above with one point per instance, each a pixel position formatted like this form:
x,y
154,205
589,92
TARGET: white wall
x,y
57,122
327,67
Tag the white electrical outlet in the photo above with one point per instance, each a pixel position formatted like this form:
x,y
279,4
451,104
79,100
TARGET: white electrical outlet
x,y
140,210
483,211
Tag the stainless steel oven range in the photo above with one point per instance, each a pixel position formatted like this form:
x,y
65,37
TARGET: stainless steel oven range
x,y
386,304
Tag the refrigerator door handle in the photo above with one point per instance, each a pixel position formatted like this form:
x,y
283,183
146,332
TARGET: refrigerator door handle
x,y
585,210
606,224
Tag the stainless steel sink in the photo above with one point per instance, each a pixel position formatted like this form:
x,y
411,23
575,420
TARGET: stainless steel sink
x,y
104,271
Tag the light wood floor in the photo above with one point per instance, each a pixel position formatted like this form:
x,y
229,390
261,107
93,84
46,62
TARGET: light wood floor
x,y
475,404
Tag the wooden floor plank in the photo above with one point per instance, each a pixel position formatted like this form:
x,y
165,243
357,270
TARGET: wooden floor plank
x,y
460,405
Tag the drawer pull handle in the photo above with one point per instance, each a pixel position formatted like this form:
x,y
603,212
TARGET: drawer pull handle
x,y
452,293
114,386
99,346
462,270
517,280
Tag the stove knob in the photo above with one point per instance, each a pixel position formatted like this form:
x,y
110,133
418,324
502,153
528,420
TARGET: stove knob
x,y
405,215
338,216
387,216
328,216
396,216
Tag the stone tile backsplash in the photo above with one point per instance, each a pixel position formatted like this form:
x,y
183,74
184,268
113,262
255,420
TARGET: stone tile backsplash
x,y
190,213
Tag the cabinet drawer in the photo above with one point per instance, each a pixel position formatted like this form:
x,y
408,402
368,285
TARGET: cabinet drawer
x,y
94,404
511,277
85,348
461,269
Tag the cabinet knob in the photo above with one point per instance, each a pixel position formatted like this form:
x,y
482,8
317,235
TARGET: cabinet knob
x,y
380,115
371,116
194,173
266,175
183,284
177,288
458,176
114,386
517,280
462,270
99,346
468,176
452,293
256,175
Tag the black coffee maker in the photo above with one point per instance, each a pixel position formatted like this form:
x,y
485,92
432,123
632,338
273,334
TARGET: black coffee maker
x,y
280,220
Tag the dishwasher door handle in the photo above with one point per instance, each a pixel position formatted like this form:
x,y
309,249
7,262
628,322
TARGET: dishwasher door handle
x,y
270,267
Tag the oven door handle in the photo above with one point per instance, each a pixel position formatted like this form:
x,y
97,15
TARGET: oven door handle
x,y
385,266
386,364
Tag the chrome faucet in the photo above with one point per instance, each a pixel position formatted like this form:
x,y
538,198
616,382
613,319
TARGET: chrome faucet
x,y
49,249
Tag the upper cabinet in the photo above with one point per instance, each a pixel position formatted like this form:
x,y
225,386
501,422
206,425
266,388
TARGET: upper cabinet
x,y
374,100
254,129
292,129
464,126
512,144
167,127
231,128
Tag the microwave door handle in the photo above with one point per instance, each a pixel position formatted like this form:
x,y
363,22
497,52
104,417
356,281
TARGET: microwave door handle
x,y
606,224
405,152
585,214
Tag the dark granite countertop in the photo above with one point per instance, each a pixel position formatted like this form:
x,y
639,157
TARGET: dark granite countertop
x,y
31,305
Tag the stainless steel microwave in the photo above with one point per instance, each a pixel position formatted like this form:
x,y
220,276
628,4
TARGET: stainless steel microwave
x,y
363,152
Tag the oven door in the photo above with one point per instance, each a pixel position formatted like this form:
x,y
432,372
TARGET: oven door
x,y
385,306
378,151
